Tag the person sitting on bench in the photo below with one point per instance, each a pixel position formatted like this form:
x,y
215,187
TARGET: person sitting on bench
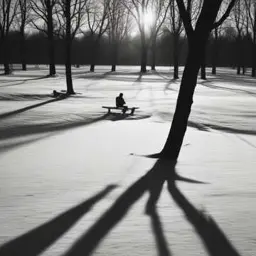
x,y
120,103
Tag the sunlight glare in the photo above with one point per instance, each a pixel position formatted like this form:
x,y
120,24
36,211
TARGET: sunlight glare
x,y
148,19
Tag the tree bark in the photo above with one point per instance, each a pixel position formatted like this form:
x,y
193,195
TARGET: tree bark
x,y
52,69
7,69
95,52
51,48
176,55
69,81
253,74
23,50
203,72
174,141
153,52
114,56
239,55
144,53
203,67
215,51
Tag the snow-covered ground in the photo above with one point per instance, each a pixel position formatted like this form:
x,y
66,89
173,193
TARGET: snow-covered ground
x,y
56,155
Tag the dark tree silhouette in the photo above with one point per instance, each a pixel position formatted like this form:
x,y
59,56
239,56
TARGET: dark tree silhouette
x,y
70,17
215,49
8,10
251,14
44,10
160,9
139,10
175,28
119,27
197,39
23,19
239,18
98,23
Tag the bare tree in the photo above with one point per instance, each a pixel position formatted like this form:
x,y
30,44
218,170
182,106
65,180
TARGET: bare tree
x,y
98,22
139,10
175,27
43,20
8,10
119,27
239,18
22,20
251,15
197,40
214,54
160,9
70,15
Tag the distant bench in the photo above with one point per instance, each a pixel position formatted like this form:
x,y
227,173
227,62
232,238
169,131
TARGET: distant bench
x,y
120,108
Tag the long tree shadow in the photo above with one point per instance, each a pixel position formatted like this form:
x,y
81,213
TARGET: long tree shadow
x,y
155,189
88,242
32,129
15,112
119,117
37,240
214,239
19,82
7,146
235,90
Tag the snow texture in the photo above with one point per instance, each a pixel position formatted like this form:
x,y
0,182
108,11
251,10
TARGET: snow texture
x,y
57,154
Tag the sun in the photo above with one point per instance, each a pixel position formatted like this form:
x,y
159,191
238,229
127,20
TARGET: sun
x,y
148,19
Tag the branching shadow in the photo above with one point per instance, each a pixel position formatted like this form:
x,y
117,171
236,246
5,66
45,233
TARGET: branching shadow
x,y
15,112
161,243
214,239
37,240
87,243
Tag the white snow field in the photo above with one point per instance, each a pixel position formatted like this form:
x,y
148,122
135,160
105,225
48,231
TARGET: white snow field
x,y
55,156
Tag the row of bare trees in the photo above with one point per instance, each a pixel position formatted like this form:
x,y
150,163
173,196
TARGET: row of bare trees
x,y
199,19
116,19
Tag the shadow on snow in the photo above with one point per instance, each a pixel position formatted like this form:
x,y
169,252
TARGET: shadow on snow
x,y
213,238
37,240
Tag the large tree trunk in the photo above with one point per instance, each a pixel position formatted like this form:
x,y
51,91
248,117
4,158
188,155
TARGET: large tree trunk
x,y
253,74
95,52
69,82
215,51
52,69
239,55
184,102
144,54
51,48
203,71
23,50
203,67
7,69
153,52
114,56
176,55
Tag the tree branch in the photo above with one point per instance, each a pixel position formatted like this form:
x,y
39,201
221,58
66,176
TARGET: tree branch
x,y
185,16
225,15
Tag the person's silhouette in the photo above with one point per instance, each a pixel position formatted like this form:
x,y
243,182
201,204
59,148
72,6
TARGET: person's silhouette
x,y
120,103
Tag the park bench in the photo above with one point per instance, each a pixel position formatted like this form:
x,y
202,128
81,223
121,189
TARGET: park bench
x,y
120,108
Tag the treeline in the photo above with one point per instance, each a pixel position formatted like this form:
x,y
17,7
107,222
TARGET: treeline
x,y
99,32
37,46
